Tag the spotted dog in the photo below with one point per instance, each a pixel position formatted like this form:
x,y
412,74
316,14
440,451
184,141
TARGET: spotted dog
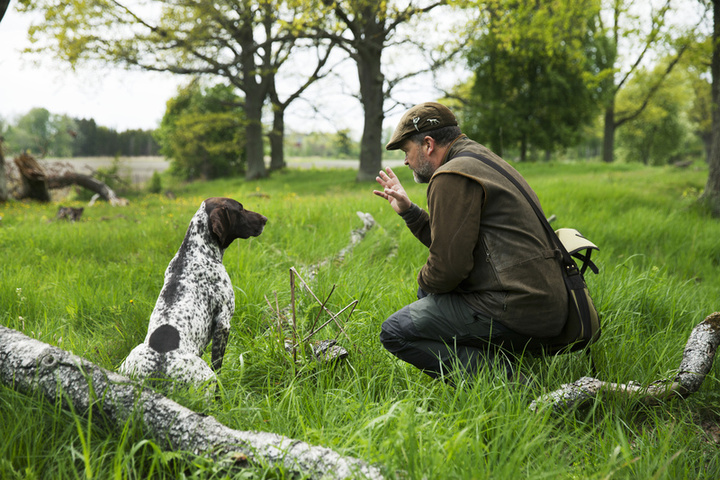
x,y
197,300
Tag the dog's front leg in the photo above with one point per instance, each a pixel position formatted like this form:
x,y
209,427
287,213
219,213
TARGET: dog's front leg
x,y
221,332
219,342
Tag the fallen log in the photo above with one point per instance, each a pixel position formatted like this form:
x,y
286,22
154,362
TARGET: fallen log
x,y
29,366
697,361
88,182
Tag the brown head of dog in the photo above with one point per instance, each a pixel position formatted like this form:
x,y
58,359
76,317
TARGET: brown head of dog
x,y
228,220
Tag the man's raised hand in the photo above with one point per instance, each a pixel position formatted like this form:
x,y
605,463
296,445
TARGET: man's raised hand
x,y
392,191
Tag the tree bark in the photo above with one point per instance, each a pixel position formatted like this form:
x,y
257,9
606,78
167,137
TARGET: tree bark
x,y
696,363
608,152
3,7
711,195
3,173
277,147
372,97
29,366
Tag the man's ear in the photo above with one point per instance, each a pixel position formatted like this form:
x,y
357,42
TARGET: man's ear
x,y
220,225
428,144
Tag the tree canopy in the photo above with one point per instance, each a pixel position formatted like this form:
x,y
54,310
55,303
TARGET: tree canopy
x,y
533,83
202,132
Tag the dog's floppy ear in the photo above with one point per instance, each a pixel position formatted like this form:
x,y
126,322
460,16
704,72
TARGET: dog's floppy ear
x,y
220,225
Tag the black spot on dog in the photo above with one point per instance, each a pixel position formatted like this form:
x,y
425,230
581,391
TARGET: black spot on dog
x,y
165,338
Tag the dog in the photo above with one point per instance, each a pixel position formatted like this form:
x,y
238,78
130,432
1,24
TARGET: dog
x,y
197,299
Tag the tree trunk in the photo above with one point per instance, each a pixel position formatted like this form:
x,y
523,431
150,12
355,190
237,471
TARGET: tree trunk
x,y
254,135
695,365
3,175
372,98
33,178
30,366
711,195
277,146
3,7
609,134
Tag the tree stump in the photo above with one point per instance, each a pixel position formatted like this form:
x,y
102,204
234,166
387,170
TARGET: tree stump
x,y
33,177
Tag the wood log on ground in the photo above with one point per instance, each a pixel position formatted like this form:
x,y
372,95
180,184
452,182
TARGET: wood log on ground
x,y
88,182
29,366
697,361
34,179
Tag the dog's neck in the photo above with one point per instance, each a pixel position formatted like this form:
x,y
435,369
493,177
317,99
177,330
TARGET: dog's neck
x,y
199,227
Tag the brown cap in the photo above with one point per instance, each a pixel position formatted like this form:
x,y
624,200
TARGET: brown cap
x,y
421,118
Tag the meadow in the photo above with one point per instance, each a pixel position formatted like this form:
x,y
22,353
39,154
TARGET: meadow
x,y
89,287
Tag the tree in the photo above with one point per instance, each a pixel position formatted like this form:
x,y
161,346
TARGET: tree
x,y
530,64
229,39
696,63
277,132
631,31
711,195
41,133
662,131
202,132
363,29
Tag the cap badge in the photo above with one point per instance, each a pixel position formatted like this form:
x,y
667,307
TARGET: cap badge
x,y
415,121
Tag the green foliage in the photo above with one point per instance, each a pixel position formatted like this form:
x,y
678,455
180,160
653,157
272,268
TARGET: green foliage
x,y
42,134
531,85
155,185
661,133
318,144
90,287
202,132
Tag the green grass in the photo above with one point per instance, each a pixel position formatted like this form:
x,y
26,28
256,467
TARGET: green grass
x,y
89,287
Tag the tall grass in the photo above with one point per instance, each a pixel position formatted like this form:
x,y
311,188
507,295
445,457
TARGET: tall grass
x,y
89,287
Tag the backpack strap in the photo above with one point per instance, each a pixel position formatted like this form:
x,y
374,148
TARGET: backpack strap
x,y
573,278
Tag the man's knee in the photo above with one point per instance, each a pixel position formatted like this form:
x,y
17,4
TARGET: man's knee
x,y
395,331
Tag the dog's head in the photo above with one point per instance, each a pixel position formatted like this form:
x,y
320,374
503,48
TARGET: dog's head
x,y
228,220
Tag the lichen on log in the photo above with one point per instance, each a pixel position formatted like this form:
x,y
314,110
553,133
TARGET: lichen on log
x,y
29,366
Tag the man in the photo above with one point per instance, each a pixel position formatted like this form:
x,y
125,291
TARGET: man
x,y
492,278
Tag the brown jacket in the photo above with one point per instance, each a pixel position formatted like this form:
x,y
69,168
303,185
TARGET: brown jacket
x,y
487,244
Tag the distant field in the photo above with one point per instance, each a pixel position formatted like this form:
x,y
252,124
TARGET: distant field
x,y
140,169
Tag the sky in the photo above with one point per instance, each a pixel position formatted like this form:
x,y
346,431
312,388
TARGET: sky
x,y
123,100
116,99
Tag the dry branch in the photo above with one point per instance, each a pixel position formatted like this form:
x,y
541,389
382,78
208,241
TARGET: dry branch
x,y
30,366
696,363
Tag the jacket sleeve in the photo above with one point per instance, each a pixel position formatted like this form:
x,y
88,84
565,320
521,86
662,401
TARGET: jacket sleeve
x,y
455,205
418,222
